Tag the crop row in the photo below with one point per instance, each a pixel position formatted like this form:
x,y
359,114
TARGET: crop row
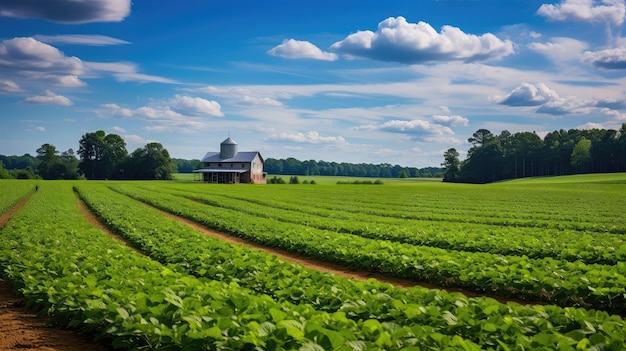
x,y
535,243
65,267
482,320
554,281
12,192
512,206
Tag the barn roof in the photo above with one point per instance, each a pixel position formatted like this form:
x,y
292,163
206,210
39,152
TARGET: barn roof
x,y
244,156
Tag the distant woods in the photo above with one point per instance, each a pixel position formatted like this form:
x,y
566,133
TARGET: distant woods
x,y
509,156
292,166
99,156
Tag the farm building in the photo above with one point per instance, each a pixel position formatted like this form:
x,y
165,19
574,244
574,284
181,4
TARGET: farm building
x,y
231,166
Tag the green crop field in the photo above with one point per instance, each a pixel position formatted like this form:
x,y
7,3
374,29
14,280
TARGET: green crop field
x,y
556,243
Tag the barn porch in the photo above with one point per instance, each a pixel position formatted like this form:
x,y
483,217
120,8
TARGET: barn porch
x,y
224,176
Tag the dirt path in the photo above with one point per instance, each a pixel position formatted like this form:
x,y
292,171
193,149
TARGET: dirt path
x,y
21,328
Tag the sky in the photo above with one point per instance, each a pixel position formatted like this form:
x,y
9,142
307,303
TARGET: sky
x,y
396,82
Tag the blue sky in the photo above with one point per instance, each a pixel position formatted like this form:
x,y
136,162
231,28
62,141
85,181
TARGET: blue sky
x,y
393,82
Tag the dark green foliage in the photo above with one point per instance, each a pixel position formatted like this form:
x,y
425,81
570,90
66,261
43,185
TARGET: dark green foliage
x,y
101,155
507,156
53,166
276,180
366,182
312,168
149,163
4,174
186,166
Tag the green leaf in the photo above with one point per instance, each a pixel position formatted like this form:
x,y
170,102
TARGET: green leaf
x,y
122,312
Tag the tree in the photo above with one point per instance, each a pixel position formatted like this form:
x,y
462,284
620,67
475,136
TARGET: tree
x,y
451,165
581,155
479,139
50,165
4,174
101,155
151,162
53,166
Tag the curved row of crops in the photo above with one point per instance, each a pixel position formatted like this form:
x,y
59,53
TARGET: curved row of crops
x,y
12,192
511,205
559,282
72,271
481,320
566,245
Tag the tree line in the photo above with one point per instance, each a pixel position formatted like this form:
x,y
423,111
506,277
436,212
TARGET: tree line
x,y
502,156
292,166
99,156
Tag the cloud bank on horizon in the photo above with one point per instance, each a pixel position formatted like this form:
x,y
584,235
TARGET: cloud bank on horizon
x,y
386,83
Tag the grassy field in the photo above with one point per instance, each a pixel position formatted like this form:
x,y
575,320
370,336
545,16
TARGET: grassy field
x,y
556,240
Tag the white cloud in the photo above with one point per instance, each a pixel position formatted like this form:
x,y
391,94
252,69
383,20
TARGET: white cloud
x,y
81,39
9,86
415,129
124,72
118,129
30,59
180,113
611,11
116,110
591,125
528,95
260,101
410,43
298,49
49,98
608,59
188,105
67,11
560,49
549,102
451,121
311,137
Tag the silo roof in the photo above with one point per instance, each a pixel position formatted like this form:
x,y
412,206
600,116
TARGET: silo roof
x,y
229,141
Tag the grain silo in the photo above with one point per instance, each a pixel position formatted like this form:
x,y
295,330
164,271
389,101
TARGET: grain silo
x,y
228,149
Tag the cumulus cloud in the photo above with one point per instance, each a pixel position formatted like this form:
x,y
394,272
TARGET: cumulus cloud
x,y
67,11
49,98
528,95
298,49
607,59
400,41
311,137
30,59
9,86
188,105
118,129
451,121
549,102
603,11
81,39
